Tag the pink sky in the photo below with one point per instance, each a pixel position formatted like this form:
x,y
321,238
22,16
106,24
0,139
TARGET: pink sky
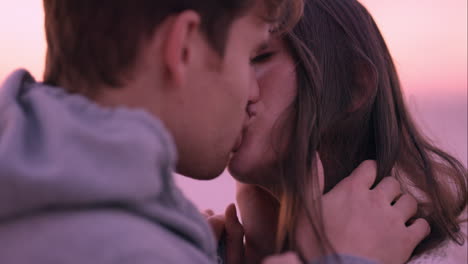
x,y
428,40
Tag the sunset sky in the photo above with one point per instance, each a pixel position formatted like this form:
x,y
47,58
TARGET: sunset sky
x,y
427,38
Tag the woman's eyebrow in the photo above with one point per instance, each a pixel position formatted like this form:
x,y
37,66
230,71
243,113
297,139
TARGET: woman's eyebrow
x,y
262,46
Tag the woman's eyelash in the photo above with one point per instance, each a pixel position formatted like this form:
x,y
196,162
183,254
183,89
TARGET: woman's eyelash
x,y
261,58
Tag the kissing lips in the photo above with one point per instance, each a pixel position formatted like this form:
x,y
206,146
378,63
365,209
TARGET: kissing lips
x,y
238,143
247,124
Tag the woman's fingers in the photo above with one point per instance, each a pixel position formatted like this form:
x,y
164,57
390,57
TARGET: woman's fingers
x,y
234,237
407,206
288,258
390,189
217,223
209,212
419,230
364,174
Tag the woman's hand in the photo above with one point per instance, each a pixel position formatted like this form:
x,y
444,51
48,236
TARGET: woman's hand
x,y
368,223
259,213
216,222
229,228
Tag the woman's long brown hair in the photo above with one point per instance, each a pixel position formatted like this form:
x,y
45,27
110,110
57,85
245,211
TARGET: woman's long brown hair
x,y
359,114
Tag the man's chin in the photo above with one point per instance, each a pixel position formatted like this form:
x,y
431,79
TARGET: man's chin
x,y
201,176
205,173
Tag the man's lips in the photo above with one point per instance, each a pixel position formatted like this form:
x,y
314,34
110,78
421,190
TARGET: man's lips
x,y
251,110
247,124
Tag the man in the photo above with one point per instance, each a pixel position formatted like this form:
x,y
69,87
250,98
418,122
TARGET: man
x,y
86,158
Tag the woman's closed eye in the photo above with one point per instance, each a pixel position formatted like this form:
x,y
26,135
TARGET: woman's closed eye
x,y
263,57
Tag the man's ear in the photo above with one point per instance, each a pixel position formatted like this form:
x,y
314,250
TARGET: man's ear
x,y
178,46
366,80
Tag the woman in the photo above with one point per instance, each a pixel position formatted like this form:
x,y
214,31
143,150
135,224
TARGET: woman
x,y
331,86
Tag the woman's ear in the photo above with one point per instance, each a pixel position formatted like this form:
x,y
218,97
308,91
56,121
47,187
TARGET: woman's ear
x,y
365,84
179,45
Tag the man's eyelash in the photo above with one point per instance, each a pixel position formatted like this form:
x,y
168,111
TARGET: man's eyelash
x,y
261,58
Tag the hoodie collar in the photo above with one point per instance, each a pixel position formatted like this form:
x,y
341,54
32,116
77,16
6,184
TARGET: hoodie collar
x,y
45,134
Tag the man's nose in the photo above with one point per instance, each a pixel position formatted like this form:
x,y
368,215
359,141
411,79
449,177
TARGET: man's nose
x,y
254,95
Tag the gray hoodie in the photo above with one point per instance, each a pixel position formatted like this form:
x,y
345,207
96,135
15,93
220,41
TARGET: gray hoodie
x,y
83,184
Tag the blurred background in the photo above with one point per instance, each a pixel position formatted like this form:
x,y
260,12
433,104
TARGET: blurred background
x,y
428,40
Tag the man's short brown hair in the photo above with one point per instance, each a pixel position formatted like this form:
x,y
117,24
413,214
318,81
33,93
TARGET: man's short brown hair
x,y
97,41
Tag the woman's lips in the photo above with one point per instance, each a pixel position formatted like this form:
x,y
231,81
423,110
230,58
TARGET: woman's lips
x,y
239,141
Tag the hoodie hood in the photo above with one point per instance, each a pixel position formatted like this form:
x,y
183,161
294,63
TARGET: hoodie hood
x,y
63,151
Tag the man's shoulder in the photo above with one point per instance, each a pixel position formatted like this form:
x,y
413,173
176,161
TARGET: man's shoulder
x,y
94,236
